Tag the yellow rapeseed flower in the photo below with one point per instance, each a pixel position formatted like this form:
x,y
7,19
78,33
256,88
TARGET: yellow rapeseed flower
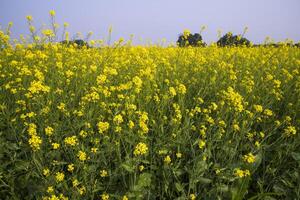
x,y
52,13
81,156
118,119
59,176
172,91
103,126
35,142
49,131
140,149
167,159
241,173
249,158
103,173
71,167
71,141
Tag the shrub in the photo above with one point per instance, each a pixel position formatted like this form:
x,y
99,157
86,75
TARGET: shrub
x,y
188,39
78,42
232,40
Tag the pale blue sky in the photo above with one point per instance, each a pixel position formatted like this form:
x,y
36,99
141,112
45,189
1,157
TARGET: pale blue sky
x,y
158,19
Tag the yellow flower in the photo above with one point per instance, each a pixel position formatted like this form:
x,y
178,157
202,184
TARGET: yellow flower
x,y
103,173
140,149
59,176
101,79
137,81
71,141
186,33
249,158
66,24
75,183
268,112
105,196
144,127
71,167
178,155
94,149
62,197
35,142
172,91
49,131
81,155
61,106
29,18
55,145
192,196
118,119
258,108
52,13
241,173
48,33
32,129
53,197
141,167
118,129
82,190
31,114
103,126
234,99
46,172
257,143
290,131
50,189
181,89
167,159
236,127
130,124
201,144
83,133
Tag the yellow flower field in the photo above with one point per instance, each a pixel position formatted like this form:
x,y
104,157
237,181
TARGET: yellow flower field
x,y
136,122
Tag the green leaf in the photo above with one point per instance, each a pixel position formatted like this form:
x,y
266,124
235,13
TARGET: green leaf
x,y
200,167
223,188
204,180
296,156
129,166
240,189
99,188
179,187
145,180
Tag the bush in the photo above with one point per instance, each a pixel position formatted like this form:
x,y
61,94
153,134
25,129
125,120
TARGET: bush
x,y
79,43
188,39
232,40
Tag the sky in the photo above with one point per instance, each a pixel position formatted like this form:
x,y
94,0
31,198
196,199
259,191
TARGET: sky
x,y
155,20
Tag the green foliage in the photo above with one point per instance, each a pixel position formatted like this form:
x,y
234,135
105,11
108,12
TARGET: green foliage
x,y
232,40
78,43
194,40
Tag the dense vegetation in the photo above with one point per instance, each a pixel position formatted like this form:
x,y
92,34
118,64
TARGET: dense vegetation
x,y
148,122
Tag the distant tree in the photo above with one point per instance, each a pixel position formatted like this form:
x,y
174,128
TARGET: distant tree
x,y
232,40
79,43
188,39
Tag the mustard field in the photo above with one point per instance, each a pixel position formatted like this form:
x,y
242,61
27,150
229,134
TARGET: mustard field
x,y
136,122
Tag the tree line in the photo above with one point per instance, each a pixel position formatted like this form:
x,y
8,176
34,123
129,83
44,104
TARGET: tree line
x,y
195,40
188,39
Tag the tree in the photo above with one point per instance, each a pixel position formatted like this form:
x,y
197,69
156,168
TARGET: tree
x,y
232,40
79,43
188,39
